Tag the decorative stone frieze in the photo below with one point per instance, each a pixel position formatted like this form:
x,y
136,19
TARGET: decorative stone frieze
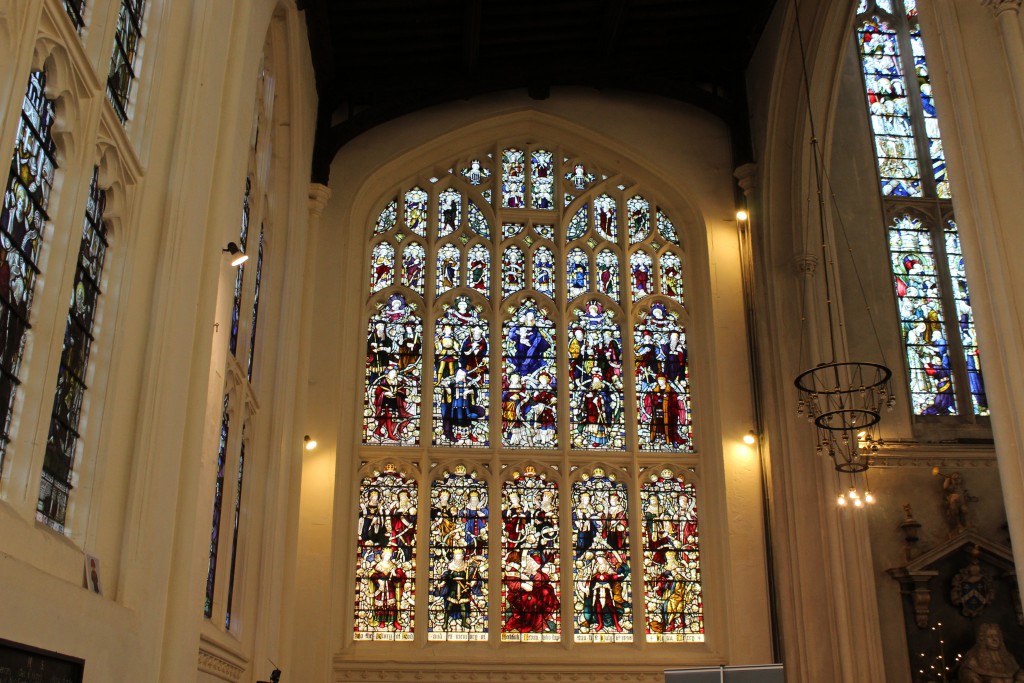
x,y
219,667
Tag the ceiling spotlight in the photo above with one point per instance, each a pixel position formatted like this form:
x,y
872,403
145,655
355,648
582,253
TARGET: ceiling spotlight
x,y
309,442
240,256
750,438
741,215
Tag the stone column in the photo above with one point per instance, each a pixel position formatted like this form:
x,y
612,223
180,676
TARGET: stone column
x,y
1008,15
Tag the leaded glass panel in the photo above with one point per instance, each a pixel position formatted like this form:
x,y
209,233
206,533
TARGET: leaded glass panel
x,y
608,274
662,382
394,363
459,513
672,276
542,181
382,268
461,377
580,177
639,219
577,271
218,505
414,264
122,63
513,178
578,225
255,307
416,209
667,228
386,557
513,271
529,388
920,309
478,274
59,460
449,212
449,263
672,597
22,222
76,12
602,588
387,219
530,605
596,417
476,173
640,275
477,222
544,272
605,218
965,318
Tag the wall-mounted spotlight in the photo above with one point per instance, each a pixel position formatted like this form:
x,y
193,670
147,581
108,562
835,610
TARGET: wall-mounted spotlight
x,y
750,438
238,256
741,215
308,442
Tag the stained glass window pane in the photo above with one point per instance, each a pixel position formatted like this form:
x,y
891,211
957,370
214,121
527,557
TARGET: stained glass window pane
x,y
513,178
76,11
509,230
667,228
602,590
459,512
672,597
605,220
58,463
234,535
640,275
672,276
449,212
416,211
639,219
542,181
386,557
479,271
255,307
596,417
382,267
920,311
577,271
394,363
580,177
22,222
476,173
529,388
608,274
448,267
218,505
662,382
545,231
965,317
513,271
414,262
243,238
889,109
931,121
530,606
578,225
122,63
461,377
387,218
544,271
477,222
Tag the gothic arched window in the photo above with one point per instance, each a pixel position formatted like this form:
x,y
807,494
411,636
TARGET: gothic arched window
x,y
126,48
545,295
936,320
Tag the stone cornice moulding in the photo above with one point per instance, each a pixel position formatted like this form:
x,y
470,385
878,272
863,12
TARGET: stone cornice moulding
x,y
217,666
479,674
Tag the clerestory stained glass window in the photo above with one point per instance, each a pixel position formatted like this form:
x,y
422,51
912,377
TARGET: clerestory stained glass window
x,y
22,224
76,12
937,325
126,47
567,281
59,461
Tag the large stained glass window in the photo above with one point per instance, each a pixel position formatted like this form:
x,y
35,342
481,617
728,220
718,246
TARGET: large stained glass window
x,y
530,604
22,223
672,588
386,556
567,280
218,505
602,588
58,464
459,512
933,302
126,48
